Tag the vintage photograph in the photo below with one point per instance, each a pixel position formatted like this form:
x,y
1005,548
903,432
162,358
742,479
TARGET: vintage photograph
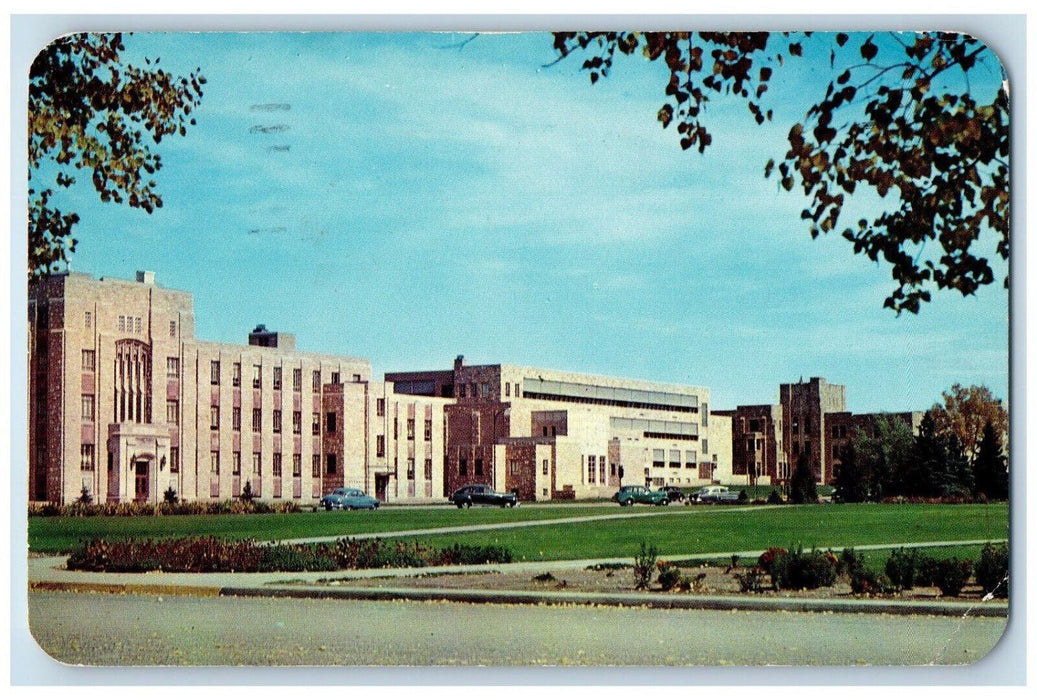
x,y
618,348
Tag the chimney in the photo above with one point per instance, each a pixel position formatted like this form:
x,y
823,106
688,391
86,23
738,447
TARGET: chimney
x,y
145,277
458,363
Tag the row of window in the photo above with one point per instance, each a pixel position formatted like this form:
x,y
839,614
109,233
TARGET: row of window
x,y
127,324
276,464
173,418
87,453
690,458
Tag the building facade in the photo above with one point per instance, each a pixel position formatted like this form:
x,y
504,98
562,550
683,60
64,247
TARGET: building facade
x,y
125,403
547,434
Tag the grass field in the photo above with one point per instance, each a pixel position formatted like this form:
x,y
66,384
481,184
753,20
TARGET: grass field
x,y
691,531
677,530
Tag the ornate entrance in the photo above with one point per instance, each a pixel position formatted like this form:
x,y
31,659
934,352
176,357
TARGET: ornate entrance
x,y
381,483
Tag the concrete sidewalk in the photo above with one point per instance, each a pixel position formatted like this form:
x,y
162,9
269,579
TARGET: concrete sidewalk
x,y
48,573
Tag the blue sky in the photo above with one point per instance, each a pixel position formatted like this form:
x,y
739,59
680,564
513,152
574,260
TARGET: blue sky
x,y
418,200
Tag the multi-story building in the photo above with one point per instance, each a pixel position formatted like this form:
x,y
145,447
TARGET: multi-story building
x,y
547,434
126,403
758,444
843,427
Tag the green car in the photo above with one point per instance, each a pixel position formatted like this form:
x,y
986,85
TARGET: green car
x,y
629,495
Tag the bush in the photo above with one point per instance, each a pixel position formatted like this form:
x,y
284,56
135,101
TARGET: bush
x,y
925,570
235,507
669,576
775,498
281,557
473,554
867,582
644,565
992,570
247,496
84,496
766,559
170,497
752,581
850,562
900,568
952,575
796,570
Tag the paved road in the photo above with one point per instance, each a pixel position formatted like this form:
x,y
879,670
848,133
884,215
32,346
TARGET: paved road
x,y
182,630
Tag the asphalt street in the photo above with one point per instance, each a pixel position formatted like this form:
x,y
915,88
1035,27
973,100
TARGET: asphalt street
x,y
187,630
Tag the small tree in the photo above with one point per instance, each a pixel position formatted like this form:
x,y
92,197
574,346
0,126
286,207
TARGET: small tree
x,y
84,496
991,467
170,497
804,486
644,566
850,482
247,495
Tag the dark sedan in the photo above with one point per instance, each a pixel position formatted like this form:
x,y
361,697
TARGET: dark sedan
x,y
481,495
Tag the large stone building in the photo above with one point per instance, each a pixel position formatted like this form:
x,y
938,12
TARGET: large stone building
x,y
547,434
126,403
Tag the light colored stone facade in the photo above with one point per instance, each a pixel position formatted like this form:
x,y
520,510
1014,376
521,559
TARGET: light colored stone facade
x,y
124,401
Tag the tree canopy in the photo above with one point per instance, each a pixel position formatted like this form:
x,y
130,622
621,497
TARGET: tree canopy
x,y
964,413
898,115
90,111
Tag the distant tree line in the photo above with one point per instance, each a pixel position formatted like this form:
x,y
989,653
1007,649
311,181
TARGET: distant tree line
x,y
957,453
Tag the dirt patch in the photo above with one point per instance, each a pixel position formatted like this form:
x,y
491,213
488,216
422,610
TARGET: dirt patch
x,y
705,580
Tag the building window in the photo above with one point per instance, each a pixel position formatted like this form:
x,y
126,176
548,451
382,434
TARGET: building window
x,y
235,463
172,329
297,422
478,466
380,446
428,469
297,379
316,423
277,464
235,374
277,378
461,390
410,468
277,421
690,459
88,360
257,420
336,378
428,430
356,377
545,467
214,417
410,428
331,422
316,381
675,459
517,385
659,458
296,465
235,418
332,464
315,466
87,319
705,445
379,407
257,376
122,323
601,469
507,388
86,458
136,328
214,462
474,390
173,412
592,469
88,408
214,372
173,367
257,463
174,460
462,464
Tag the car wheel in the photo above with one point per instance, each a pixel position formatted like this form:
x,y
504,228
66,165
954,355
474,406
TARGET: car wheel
x,y
375,506
664,502
467,504
628,502
460,506
327,506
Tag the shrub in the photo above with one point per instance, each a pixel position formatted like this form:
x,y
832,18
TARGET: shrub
x,y
84,496
644,565
544,578
796,570
170,497
992,570
775,498
850,562
743,496
900,568
669,576
281,557
473,554
925,570
867,582
247,496
952,575
767,558
752,581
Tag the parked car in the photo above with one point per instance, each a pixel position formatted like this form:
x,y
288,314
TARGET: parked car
x,y
715,494
482,495
629,495
675,494
349,499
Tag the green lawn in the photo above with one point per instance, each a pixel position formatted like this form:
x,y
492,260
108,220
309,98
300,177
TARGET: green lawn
x,y
693,530
681,530
55,534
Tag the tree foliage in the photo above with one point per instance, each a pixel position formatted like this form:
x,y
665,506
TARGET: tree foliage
x,y
964,413
991,467
90,111
884,457
898,116
803,485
